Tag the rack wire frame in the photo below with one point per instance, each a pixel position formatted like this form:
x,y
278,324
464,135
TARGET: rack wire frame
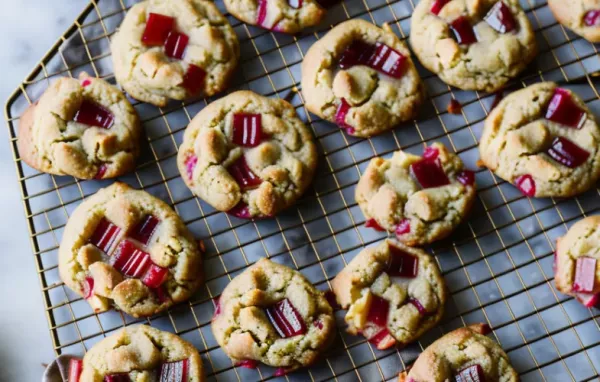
x,y
498,265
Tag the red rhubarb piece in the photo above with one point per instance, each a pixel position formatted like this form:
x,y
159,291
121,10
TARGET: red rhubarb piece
x,y
585,275
562,109
526,185
101,171
174,371
157,29
105,235
378,56
340,116
438,5
280,372
501,18
357,53
88,287
75,369
241,211
431,153
472,373
86,82
592,18
247,129
429,173
217,303
90,113
318,324
130,260
144,230
588,300
295,3
190,164
193,80
372,223
466,177
463,31
382,339
262,14
175,44
417,304
402,264
403,227
155,276
378,311
122,377
567,153
286,319
248,364
243,175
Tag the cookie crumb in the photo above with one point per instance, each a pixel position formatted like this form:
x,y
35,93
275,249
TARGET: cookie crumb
x,y
454,107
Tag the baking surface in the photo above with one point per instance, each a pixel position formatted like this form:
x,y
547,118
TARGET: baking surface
x,y
498,266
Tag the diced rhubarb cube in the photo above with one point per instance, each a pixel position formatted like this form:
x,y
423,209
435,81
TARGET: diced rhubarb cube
x,y
243,175
247,129
438,5
592,18
86,82
501,18
387,60
144,230
122,377
429,173
286,319
357,53
567,153
588,300
382,339
403,227
466,177
526,184
318,324
155,276
585,275
174,371
372,223
75,369
463,31
562,109
472,373
101,171
90,113
88,287
241,211
340,116
190,164
280,372
295,3
157,29
130,260
378,311
175,44
193,80
417,304
248,364
261,14
105,235
402,264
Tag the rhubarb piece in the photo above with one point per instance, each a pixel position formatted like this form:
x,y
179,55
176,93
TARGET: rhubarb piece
x,y
75,369
378,311
90,113
144,230
382,339
248,364
472,373
101,171
280,372
88,287
438,5
241,211
463,31
122,377
592,18
261,14
403,227
155,276
286,319
501,18
247,129
379,57
466,177
588,300
130,260
429,173
402,264
431,153
174,371
567,153
86,82
417,304
340,116
585,275
243,175
526,185
562,109
105,235
175,44
318,324
190,164
217,303
193,80
161,295
157,29
454,107
295,3
372,223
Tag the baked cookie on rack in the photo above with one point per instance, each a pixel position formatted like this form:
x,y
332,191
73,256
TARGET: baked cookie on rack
x,y
248,155
174,49
577,262
126,247
274,315
421,199
473,44
544,140
581,16
287,16
139,353
362,78
85,128
393,294
462,355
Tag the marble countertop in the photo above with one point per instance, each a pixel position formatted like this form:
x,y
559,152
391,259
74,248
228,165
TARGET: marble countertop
x,y
29,28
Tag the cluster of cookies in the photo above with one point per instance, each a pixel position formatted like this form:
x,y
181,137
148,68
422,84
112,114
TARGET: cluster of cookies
x,y
252,157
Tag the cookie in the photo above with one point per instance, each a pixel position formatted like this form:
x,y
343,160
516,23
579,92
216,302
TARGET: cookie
x,y
287,16
544,140
362,78
247,155
274,315
581,16
577,261
421,199
393,294
464,354
140,353
174,49
125,247
85,128
473,45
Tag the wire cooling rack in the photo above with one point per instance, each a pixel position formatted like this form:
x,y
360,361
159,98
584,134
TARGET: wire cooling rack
x,y
498,265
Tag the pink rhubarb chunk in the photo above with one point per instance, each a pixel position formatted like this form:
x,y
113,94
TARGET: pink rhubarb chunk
x,y
280,372
372,223
340,116
174,371
90,113
402,264
378,56
75,369
585,275
567,153
243,175
286,319
157,29
175,44
144,230
380,337
241,211
588,300
105,235
438,5
261,14
217,303
466,177
190,164
155,276
403,227
193,80
101,171
501,18
470,374
562,109
463,31
417,304
88,287
248,364
117,378
130,260
526,185
428,172
378,311
592,18
247,129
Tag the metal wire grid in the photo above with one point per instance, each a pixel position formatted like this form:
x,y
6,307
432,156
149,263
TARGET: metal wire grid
x,y
497,266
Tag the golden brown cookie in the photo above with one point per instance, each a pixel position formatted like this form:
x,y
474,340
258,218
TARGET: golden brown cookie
x,y
581,16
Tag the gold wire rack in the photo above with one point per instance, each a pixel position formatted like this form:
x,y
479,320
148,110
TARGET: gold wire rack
x,y
498,265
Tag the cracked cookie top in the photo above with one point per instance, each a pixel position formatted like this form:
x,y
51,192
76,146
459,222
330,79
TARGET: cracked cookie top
x,y
288,16
272,314
362,78
421,199
85,128
464,354
174,49
393,294
248,155
544,140
473,44
581,16
577,261
125,247
142,353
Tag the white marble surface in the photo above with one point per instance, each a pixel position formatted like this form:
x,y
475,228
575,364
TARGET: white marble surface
x,y
28,29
